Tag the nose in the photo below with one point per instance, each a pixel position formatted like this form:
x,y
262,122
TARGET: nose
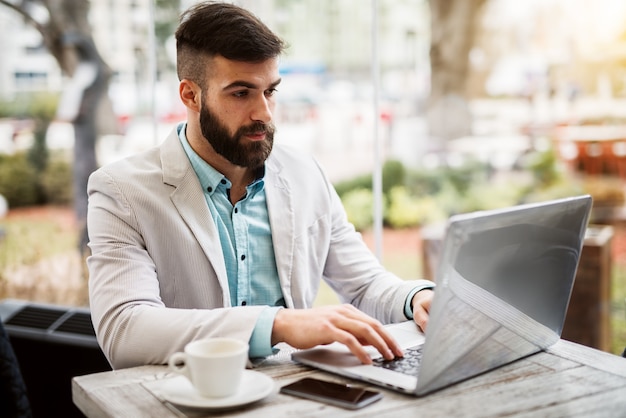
x,y
263,109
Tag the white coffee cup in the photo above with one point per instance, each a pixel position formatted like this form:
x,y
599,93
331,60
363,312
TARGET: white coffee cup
x,y
214,366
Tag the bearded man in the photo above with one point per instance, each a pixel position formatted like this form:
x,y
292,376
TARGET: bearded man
x,y
216,232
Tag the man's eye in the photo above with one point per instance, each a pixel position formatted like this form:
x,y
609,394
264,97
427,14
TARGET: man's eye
x,y
242,93
270,92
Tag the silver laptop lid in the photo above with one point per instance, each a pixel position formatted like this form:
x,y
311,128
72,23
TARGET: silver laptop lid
x,y
503,285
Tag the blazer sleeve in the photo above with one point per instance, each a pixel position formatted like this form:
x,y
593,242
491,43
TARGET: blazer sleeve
x,y
310,218
354,272
147,300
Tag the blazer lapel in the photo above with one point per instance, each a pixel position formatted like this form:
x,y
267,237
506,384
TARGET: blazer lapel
x,y
190,202
281,213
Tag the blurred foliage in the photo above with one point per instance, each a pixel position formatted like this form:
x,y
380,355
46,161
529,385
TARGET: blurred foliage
x,y
544,167
393,174
457,179
562,187
166,19
18,180
359,182
31,178
359,207
606,191
40,105
490,195
419,197
56,182
22,185
406,210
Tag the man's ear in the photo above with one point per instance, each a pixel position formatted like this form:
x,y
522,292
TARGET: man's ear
x,y
190,94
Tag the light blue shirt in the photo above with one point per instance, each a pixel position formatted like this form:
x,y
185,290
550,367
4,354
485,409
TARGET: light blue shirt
x,y
246,241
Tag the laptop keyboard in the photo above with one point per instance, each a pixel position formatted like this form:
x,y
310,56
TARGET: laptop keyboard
x,y
409,364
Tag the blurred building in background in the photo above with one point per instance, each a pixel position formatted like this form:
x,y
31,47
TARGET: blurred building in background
x,y
25,64
324,36
533,62
560,46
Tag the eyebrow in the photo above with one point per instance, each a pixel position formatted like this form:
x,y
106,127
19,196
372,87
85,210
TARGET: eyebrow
x,y
246,84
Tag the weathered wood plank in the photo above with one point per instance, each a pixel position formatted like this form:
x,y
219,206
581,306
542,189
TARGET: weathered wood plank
x,y
119,393
568,380
610,404
554,393
540,390
597,359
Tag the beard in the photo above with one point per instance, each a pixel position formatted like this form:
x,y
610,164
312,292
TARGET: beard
x,y
233,148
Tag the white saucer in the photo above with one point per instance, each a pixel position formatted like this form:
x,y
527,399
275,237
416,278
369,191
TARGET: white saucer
x,y
179,391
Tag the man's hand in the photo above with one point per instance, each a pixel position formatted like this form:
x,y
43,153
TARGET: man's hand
x,y
306,328
421,306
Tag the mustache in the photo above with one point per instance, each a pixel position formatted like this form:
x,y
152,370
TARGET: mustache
x,y
257,127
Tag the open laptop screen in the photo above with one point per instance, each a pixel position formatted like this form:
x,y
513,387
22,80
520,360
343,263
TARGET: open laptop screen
x,y
503,285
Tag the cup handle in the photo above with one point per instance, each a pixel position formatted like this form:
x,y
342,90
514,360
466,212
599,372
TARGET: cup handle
x,y
178,363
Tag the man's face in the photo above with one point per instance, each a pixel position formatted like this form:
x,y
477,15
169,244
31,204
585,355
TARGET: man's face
x,y
235,148
237,107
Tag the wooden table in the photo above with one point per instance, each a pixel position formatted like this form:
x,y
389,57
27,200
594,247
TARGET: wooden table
x,y
568,380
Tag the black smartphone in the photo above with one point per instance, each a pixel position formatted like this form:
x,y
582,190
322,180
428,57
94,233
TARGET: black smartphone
x,y
345,396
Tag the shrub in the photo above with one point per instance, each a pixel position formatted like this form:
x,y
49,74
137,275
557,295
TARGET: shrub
x,y
393,173
34,105
492,195
449,198
18,181
363,182
405,210
544,166
419,197
359,206
430,182
40,108
56,182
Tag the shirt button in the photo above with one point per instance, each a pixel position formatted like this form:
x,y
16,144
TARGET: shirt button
x,y
236,210
243,257
223,181
244,303
209,189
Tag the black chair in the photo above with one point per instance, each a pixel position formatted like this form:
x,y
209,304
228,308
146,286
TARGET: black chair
x,y
624,353
14,401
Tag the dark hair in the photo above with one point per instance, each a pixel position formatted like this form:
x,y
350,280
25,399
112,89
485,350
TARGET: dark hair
x,y
208,29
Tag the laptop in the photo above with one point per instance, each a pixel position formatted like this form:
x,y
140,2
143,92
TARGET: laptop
x,y
504,281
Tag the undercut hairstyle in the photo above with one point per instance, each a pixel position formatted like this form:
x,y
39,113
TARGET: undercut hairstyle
x,y
209,29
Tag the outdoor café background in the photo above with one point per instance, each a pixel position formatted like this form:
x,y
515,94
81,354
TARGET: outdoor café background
x,y
461,126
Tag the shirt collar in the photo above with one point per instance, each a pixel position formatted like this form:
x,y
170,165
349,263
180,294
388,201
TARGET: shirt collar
x,y
210,178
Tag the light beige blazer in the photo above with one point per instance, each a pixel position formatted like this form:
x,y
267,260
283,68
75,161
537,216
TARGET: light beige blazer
x,y
157,278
